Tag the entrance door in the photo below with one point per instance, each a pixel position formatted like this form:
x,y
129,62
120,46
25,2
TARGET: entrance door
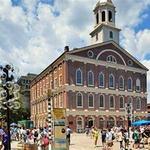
x,y
90,123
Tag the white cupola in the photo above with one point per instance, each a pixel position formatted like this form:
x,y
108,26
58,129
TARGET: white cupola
x,y
104,29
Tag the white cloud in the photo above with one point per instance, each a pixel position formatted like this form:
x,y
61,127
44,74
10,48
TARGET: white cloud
x,y
33,38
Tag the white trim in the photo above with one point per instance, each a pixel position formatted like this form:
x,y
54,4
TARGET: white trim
x,y
113,81
113,100
88,100
110,50
101,73
81,76
131,84
77,100
92,78
113,57
103,101
138,83
123,82
103,63
101,90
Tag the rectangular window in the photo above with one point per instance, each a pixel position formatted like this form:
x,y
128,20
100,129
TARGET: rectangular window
x,y
101,103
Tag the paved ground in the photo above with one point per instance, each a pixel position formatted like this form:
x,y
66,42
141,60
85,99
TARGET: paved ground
x,y
80,142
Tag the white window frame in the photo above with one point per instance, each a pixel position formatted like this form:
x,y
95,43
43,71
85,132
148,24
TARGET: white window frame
x,y
92,78
88,100
138,84
81,77
123,102
77,100
109,102
113,81
103,100
119,83
131,84
101,73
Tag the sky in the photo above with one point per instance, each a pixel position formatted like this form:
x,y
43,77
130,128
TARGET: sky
x,y
33,33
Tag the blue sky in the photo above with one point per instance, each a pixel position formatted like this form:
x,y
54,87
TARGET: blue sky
x,y
34,32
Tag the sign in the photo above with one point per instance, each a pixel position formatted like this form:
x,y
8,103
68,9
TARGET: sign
x,y
60,142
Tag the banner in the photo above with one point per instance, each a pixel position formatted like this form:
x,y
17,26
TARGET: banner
x,y
59,116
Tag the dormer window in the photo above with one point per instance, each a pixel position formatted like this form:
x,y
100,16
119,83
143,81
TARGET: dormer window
x,y
111,59
103,16
110,16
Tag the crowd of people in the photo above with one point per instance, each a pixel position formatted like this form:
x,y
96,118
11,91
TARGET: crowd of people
x,y
134,137
35,136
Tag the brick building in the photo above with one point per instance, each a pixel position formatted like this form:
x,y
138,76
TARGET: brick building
x,y
94,82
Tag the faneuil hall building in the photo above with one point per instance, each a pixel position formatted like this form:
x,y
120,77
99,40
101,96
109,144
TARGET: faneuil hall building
x,y
94,83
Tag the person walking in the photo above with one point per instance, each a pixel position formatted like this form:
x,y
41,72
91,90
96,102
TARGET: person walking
x,y
103,137
96,135
68,134
120,138
5,139
109,140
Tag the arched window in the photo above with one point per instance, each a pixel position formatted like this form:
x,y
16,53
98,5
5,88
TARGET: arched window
x,y
111,59
103,16
79,100
90,78
111,102
101,123
138,85
79,77
138,103
111,81
101,101
121,82
80,124
97,18
91,100
111,35
110,16
130,84
101,80
121,102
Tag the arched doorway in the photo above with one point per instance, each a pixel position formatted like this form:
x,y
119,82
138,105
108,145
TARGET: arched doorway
x,y
90,122
110,122
101,123
80,125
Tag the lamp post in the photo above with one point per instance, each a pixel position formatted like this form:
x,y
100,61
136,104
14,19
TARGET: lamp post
x,y
9,94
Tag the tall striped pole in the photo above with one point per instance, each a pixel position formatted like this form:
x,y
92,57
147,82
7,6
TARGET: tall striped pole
x,y
50,114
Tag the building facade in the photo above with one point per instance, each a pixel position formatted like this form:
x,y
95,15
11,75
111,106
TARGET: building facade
x,y
24,83
94,82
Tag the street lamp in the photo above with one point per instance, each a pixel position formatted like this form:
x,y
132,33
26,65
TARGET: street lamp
x,y
9,94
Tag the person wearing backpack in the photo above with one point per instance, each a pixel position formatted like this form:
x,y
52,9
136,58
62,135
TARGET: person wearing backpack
x,y
136,137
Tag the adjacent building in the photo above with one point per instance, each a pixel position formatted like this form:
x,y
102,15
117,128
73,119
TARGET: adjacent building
x,y
24,82
94,82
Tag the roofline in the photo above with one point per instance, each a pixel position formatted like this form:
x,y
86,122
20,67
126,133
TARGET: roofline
x,y
35,80
103,24
115,44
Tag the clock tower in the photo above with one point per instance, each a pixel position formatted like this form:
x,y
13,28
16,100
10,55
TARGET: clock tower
x,y
105,29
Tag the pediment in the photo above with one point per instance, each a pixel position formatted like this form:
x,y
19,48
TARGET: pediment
x,y
102,51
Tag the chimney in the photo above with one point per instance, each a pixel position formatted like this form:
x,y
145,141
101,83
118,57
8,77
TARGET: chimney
x,y
66,49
